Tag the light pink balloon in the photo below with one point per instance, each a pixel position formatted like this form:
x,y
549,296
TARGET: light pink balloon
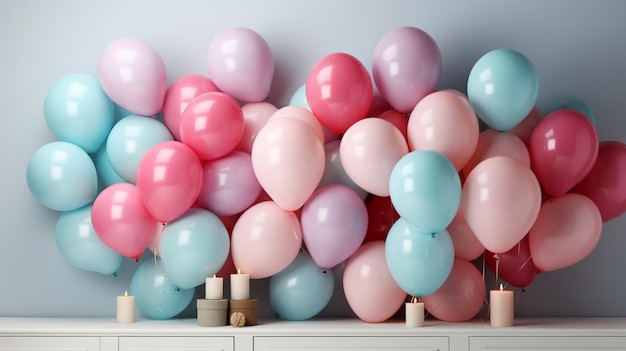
x,y
288,160
265,240
369,150
501,200
369,287
494,143
566,231
241,64
444,122
301,114
133,75
466,244
255,116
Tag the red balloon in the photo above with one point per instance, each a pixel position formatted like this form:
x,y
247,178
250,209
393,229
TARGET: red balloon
x,y
381,216
516,266
379,105
398,119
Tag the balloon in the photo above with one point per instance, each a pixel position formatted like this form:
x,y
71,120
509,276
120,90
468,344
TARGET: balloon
x,y
525,128
379,105
567,230
265,240
563,149
334,223
339,91
334,173
156,296
212,125
78,111
301,281
241,64
193,247
406,67
501,200
61,176
80,246
169,179
299,98
606,182
133,75
121,221
255,116
466,244
419,262
516,266
301,114
178,96
370,290
425,189
444,122
369,150
502,87
461,297
155,239
229,185
493,143
129,141
381,216
105,171
288,161
398,119
576,104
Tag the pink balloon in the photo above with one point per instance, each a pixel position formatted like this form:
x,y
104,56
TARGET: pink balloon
x,y
525,128
334,223
229,185
169,179
516,266
563,149
461,297
371,291
301,114
179,94
444,122
466,244
133,75
121,221
369,150
406,67
288,160
398,119
494,143
500,200
567,230
255,116
241,64
265,240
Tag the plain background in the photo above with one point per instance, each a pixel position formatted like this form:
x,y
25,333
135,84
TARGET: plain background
x,y
577,47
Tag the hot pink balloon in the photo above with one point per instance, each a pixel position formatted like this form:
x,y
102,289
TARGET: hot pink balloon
x,y
466,244
301,114
494,143
255,116
406,67
241,64
169,179
133,75
525,128
398,119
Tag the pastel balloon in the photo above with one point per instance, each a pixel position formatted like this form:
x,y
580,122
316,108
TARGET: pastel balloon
x,y
466,244
78,111
563,149
381,216
367,271
80,246
398,119
169,179
525,128
301,114
241,64
61,176
133,75
567,230
369,150
493,143
299,98
334,172
501,200
503,87
105,171
265,240
339,91
516,266
574,103
406,67
255,116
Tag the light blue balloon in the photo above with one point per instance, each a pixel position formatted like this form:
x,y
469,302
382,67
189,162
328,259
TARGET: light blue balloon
x,y
334,173
575,104
425,190
106,173
156,297
193,247
502,88
62,176
79,244
299,98
129,141
78,111
419,262
301,290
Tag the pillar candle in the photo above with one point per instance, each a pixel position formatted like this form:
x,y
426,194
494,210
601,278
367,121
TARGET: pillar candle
x,y
125,308
414,314
214,288
501,309
239,286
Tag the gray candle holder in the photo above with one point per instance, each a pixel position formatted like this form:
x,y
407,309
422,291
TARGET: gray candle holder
x,y
212,313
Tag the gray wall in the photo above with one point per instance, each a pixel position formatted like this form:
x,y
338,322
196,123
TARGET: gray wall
x,y
577,47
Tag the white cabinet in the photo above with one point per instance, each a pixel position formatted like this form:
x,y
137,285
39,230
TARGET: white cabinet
x,y
345,343
547,343
48,343
171,343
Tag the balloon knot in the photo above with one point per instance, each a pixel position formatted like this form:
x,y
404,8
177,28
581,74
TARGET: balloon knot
x,y
496,256
136,259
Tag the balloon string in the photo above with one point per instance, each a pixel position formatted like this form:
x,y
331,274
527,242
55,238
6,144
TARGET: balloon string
x,y
524,264
497,269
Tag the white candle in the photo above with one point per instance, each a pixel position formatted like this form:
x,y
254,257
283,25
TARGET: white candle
x,y
125,308
414,313
239,286
214,288
501,309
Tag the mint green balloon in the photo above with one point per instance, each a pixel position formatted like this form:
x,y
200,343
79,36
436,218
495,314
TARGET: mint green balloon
x,y
575,104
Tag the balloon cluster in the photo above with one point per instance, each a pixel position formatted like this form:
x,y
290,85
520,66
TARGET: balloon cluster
x,y
398,187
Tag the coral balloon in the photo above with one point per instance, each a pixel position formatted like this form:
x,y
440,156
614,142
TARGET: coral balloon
x,y
466,244
381,216
493,143
516,266
255,116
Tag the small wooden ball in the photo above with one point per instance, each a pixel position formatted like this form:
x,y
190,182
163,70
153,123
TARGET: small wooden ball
x,y
237,319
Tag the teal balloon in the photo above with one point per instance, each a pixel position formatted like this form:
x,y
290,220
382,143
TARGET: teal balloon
x,y
106,173
425,190
299,98
502,88
80,246
193,247
62,176
419,262
301,290
575,104
78,111
156,297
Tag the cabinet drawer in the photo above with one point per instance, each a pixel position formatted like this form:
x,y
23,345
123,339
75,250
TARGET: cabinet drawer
x,y
547,343
167,343
49,343
350,343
